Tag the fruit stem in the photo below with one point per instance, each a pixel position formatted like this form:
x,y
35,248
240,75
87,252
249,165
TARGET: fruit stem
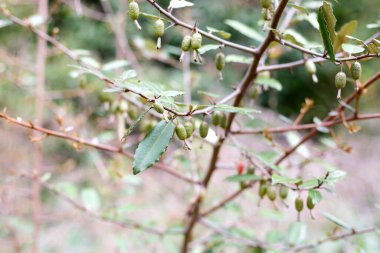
x,y
137,24
158,46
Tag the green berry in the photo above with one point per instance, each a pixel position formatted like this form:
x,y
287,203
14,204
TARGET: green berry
x,y
224,121
340,80
216,118
203,129
181,132
283,192
356,70
262,190
265,3
132,113
298,203
219,61
311,69
189,127
186,43
309,203
271,193
254,93
159,28
158,107
196,41
133,10
266,14
146,126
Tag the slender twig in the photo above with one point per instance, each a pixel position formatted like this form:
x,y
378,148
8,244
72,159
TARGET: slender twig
x,y
275,130
243,86
93,144
130,224
178,22
353,232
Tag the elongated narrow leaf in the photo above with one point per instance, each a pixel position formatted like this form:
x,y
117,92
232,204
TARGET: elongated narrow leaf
x,y
327,21
269,82
245,30
297,233
153,146
208,47
242,178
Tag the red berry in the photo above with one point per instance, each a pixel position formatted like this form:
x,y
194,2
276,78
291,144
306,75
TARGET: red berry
x,y
240,167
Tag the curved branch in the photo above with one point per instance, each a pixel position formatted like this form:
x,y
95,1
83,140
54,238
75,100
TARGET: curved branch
x,y
88,143
176,21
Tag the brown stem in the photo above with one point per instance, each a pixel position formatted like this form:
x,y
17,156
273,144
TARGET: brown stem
x,y
88,143
243,86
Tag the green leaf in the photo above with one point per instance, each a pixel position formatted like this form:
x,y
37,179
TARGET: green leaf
x,y
209,94
335,176
278,179
316,196
5,22
310,183
90,199
245,30
238,59
268,159
207,48
179,4
221,33
327,21
347,29
115,65
233,109
336,220
295,37
297,233
269,82
299,8
153,146
242,178
352,49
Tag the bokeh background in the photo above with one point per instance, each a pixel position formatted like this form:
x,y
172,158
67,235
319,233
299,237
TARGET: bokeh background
x,y
104,181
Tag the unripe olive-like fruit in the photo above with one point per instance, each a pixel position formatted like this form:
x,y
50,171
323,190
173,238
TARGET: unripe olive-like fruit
x,y
159,28
133,10
311,69
132,113
265,3
266,14
224,121
186,43
196,41
271,193
309,203
356,70
158,107
283,192
340,80
203,129
181,132
146,126
216,118
254,93
262,190
298,203
189,127
219,61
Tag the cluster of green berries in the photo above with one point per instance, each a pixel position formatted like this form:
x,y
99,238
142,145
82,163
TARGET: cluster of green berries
x,y
158,26
193,42
341,78
184,131
311,69
267,11
219,119
270,191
